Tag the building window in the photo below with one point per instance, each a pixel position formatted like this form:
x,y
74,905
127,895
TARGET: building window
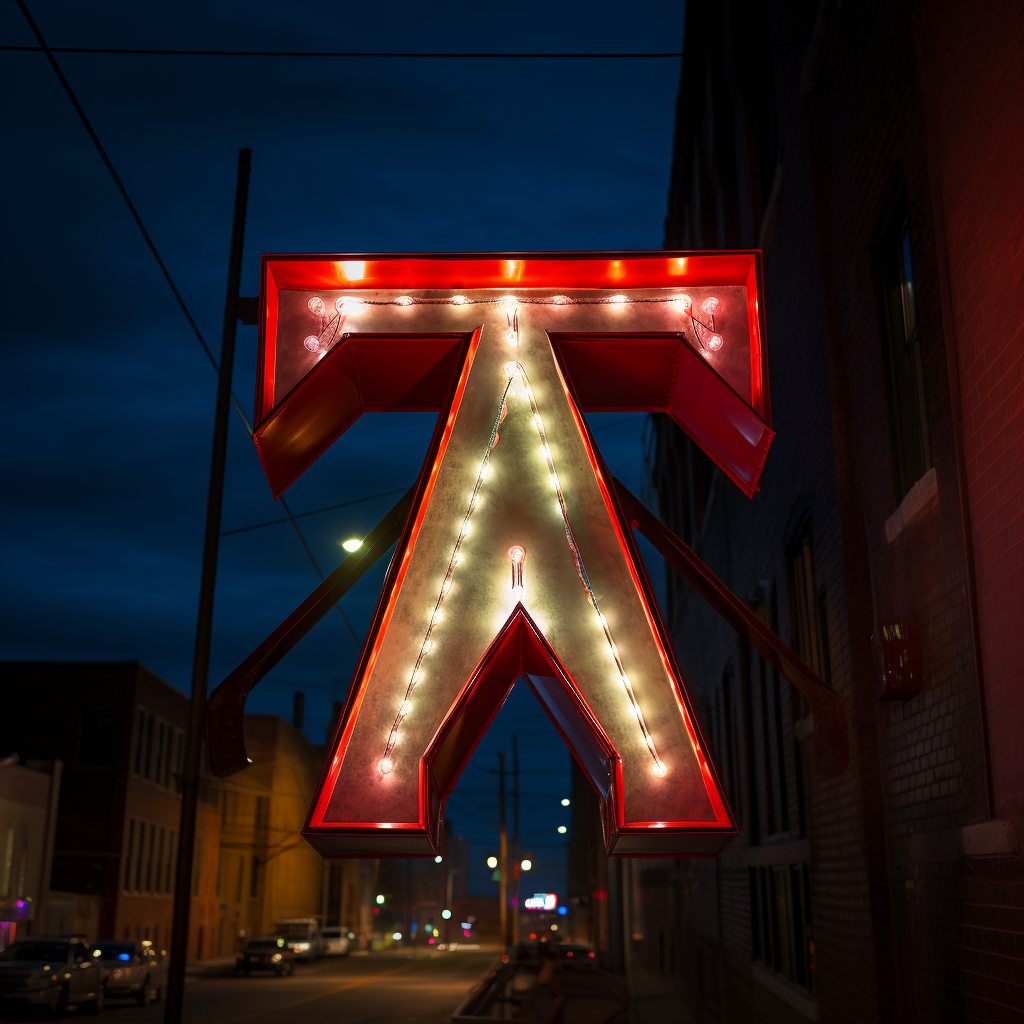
x,y
254,879
149,858
140,740
128,855
171,866
909,435
780,921
7,865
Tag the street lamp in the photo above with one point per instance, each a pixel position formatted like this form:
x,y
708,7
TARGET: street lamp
x,y
446,914
526,864
561,830
352,544
492,862
438,859
380,899
565,801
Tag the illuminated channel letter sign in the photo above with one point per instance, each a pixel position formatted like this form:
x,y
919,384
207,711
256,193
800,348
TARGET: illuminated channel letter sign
x,y
515,559
547,901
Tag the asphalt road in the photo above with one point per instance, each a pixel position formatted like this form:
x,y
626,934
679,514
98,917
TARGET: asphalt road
x,y
336,990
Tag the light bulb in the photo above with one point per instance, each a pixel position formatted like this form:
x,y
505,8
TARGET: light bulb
x,y
660,770
316,305
618,300
492,862
683,303
512,337
714,342
446,586
417,675
562,830
561,300
406,707
438,859
526,864
347,305
710,304
517,555
509,302
312,343
404,300
353,269
352,544
427,644
565,801
384,766
485,471
446,914
459,300
512,368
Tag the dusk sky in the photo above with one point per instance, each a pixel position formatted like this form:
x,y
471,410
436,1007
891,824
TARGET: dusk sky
x,y
108,395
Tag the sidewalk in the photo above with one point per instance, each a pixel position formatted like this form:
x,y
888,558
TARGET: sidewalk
x,y
213,967
656,1001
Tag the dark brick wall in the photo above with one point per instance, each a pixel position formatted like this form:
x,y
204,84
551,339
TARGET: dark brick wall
x,y
906,927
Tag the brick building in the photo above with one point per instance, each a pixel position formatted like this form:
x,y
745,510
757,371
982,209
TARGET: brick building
x,y
875,152
120,732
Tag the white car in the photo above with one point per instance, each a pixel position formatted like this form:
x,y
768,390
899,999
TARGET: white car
x,y
336,941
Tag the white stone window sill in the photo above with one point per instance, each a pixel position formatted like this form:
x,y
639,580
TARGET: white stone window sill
x,y
913,506
803,1004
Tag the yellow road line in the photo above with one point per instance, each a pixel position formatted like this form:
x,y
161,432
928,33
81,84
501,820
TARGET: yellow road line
x,y
318,995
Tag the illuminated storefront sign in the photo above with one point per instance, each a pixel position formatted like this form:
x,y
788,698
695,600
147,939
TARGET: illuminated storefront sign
x,y
515,560
541,901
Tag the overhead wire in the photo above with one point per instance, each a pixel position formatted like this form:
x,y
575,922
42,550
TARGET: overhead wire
x,y
402,54
83,117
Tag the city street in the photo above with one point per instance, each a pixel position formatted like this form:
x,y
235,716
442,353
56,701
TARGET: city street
x,y
356,990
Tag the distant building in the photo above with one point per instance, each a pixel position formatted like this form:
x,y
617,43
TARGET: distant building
x,y
28,819
875,152
120,732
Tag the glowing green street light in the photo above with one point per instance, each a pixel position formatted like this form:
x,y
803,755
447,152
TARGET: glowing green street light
x,y
352,544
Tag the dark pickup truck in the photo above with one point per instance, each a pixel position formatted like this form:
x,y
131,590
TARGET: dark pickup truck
x,y
266,955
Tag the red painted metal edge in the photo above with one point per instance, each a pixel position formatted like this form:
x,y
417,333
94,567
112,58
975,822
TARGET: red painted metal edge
x,y
831,735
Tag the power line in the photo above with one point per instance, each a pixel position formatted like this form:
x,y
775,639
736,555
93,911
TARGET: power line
x,y
43,48
314,512
373,54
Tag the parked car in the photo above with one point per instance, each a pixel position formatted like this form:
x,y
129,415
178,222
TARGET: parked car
x,y
266,955
52,974
303,936
135,970
336,941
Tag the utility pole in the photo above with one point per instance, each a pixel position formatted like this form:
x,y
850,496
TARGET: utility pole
x,y
503,853
516,852
204,619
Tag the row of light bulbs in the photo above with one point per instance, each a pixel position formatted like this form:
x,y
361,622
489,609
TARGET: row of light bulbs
x,y
704,330
514,370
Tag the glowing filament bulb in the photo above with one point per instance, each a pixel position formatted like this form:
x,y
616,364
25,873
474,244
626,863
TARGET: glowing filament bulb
x,y
709,305
509,302
561,300
385,765
485,471
660,770
312,343
316,305
466,527
517,555
405,708
417,676
427,644
512,368
714,342
404,300
459,300
683,303
446,586
618,300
